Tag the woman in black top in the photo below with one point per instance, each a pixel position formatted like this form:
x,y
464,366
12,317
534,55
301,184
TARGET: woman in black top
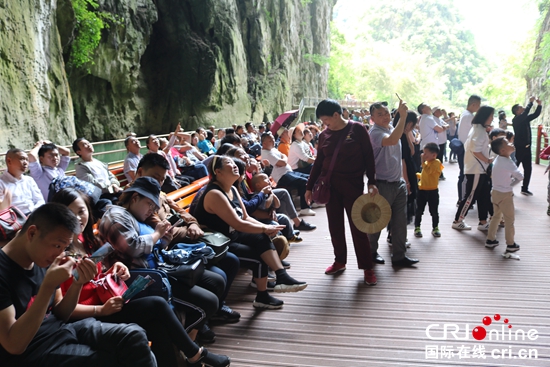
x,y
409,167
221,207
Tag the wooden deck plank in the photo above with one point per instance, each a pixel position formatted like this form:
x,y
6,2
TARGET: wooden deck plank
x,y
339,321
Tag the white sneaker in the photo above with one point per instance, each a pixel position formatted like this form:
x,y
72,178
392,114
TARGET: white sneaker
x,y
483,227
306,211
315,205
461,226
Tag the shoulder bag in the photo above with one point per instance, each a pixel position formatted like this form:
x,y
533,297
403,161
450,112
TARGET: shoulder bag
x,y
321,190
11,221
185,274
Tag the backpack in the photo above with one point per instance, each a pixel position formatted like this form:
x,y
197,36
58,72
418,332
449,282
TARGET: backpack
x,y
87,188
456,146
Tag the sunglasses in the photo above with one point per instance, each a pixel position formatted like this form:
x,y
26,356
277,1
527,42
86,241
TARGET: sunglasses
x,y
377,105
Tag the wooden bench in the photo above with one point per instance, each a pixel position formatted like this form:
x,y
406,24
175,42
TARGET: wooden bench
x,y
184,196
118,171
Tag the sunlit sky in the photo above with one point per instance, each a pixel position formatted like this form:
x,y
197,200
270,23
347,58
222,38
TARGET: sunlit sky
x,y
498,25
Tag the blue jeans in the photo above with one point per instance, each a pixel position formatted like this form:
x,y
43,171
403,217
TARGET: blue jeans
x,y
296,180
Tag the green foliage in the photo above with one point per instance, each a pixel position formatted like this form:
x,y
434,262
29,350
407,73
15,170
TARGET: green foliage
x,y
90,21
422,50
317,59
306,2
268,15
434,28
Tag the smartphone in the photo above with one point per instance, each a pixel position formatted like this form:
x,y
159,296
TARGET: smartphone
x,y
173,219
179,222
97,256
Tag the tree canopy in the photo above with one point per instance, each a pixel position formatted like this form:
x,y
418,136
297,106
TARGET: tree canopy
x,y
420,48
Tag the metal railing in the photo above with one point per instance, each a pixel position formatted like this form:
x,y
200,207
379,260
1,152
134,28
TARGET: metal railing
x,y
96,154
314,101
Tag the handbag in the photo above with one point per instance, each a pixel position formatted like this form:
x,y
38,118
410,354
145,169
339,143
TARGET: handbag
x,y
110,286
217,241
11,220
321,190
185,274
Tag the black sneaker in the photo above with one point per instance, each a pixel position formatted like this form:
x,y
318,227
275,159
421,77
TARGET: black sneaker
x,y
210,360
226,315
270,285
286,264
491,243
205,335
267,302
526,193
304,226
512,248
289,284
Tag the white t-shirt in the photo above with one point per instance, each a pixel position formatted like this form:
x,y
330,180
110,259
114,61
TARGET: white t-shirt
x,y
465,125
442,136
298,151
274,156
478,141
505,174
25,194
99,172
427,132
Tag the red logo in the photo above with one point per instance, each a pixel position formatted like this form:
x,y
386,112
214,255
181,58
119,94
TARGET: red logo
x,y
479,332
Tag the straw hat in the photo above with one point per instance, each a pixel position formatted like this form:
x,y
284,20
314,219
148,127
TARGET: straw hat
x,y
371,214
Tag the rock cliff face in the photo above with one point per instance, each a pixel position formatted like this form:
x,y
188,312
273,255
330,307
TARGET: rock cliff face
x,y
201,62
35,101
538,75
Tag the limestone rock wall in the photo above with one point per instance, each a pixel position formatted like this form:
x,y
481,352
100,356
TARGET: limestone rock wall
x,y
35,101
199,62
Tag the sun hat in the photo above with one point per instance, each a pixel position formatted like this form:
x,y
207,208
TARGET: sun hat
x,y
371,214
148,187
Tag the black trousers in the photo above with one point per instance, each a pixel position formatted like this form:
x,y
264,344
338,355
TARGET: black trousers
x,y
523,156
90,343
478,188
162,326
201,301
430,197
249,247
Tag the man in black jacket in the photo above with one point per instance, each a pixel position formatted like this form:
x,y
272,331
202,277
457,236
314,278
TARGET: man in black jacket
x,y
522,140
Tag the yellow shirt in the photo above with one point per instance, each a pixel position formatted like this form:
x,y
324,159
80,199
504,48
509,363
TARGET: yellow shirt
x,y
429,178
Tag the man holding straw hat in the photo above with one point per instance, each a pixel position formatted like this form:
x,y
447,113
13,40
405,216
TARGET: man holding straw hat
x,y
386,146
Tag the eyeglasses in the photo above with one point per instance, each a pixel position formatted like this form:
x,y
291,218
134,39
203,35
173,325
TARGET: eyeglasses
x,y
152,205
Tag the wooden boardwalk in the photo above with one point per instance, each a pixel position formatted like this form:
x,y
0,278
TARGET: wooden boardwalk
x,y
340,321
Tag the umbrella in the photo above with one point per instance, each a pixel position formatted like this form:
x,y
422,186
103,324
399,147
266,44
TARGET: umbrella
x,y
283,121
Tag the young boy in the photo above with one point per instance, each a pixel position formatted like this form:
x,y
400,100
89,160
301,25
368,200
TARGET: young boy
x,y
46,162
261,183
505,176
428,191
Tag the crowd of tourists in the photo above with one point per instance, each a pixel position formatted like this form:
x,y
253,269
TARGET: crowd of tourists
x,y
50,310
